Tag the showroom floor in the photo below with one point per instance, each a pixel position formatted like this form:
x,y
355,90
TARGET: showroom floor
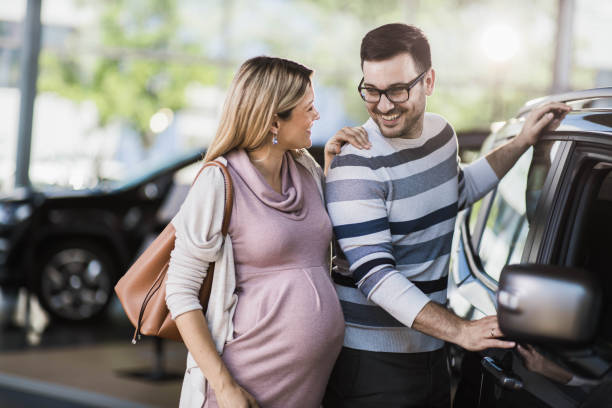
x,y
87,365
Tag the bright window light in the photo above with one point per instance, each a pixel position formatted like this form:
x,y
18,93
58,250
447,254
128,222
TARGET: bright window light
x,y
499,42
161,120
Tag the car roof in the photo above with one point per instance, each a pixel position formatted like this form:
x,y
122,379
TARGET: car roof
x,y
591,113
597,99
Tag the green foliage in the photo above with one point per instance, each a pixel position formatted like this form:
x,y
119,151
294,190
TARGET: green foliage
x,y
365,10
137,72
151,50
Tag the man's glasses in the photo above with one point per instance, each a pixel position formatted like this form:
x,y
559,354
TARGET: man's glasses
x,y
396,94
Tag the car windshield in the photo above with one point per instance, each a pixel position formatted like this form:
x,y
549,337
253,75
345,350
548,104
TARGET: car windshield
x,y
513,208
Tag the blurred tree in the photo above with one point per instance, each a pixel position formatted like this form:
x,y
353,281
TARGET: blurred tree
x,y
152,49
365,10
140,67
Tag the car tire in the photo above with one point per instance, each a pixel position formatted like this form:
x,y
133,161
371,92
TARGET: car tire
x,y
74,280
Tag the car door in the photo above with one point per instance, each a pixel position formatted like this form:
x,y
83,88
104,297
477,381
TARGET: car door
x,y
538,214
500,229
578,236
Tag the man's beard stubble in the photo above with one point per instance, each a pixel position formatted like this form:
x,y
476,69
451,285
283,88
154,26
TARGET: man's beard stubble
x,y
413,124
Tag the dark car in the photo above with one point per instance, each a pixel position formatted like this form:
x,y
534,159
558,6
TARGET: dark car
x,y
71,246
537,251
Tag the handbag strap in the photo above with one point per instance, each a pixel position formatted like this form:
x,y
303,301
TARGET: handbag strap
x,y
229,192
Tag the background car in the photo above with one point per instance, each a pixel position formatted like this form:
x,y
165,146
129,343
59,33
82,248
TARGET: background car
x,y
537,251
71,246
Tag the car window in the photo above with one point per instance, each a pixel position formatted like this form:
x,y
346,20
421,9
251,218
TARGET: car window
x,y
588,234
474,211
513,208
596,254
476,208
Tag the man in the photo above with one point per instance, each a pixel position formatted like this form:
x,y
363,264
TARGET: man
x,y
393,207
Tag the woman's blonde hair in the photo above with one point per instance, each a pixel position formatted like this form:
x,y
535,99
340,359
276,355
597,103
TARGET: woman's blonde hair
x,y
263,87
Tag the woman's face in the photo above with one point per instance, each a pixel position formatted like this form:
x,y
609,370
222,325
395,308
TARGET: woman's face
x,y
294,133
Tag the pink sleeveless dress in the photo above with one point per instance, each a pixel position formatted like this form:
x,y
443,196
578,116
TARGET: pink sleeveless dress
x,y
288,324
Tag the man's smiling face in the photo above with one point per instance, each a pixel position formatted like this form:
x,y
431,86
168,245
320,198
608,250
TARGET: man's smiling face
x,y
397,119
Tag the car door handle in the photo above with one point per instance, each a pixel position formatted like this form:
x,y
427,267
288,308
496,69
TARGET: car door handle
x,y
504,379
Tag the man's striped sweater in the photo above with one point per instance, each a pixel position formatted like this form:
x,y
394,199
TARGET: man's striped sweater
x,y
393,208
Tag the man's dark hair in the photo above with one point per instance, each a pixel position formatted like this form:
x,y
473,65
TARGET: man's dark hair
x,y
389,40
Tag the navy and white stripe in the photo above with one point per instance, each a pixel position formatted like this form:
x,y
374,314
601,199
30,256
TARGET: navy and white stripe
x,y
393,208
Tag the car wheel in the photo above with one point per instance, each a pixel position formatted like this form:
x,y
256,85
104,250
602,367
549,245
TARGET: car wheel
x,y
74,281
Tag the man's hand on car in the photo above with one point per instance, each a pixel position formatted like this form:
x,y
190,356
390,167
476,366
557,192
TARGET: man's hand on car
x,y
482,334
437,321
545,117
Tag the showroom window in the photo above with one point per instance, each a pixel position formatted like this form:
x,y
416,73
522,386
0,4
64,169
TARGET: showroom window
x,y
10,68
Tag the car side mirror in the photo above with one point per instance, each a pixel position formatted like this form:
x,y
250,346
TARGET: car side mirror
x,y
548,303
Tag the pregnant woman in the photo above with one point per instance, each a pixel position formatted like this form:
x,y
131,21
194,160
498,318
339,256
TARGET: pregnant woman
x,y
274,326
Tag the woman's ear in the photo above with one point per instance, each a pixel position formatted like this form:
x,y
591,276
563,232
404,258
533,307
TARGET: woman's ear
x,y
275,126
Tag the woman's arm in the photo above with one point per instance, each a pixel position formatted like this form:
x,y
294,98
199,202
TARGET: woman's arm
x,y
196,335
198,242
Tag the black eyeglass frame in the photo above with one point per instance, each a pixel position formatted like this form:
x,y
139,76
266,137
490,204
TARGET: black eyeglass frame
x,y
381,92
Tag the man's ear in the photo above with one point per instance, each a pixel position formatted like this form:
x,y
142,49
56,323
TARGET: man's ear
x,y
430,79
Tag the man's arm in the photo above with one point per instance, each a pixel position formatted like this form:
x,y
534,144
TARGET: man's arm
x,y
397,296
547,116
435,320
356,204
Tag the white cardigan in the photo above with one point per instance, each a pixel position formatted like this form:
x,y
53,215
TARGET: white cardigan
x,y
198,242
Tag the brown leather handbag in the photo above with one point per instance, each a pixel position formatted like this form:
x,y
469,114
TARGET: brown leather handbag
x,y
142,290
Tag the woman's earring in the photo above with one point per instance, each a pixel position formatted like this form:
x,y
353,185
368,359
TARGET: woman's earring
x,y
274,138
